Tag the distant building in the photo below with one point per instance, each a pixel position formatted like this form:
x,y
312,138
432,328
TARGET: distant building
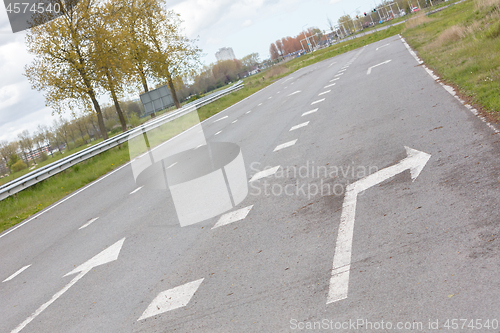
x,y
225,53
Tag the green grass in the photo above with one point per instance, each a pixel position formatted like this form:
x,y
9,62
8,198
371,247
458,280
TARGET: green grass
x,y
30,201
462,45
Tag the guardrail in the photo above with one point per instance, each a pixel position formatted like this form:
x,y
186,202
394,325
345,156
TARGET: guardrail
x,y
56,167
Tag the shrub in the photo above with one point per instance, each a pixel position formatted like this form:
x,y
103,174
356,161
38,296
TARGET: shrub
x,y
79,142
43,156
494,30
134,120
18,166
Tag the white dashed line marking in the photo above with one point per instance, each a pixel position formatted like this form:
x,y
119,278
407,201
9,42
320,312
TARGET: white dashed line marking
x,y
16,273
231,217
171,299
264,173
309,112
299,126
248,112
334,79
295,92
171,165
381,47
324,92
136,190
330,85
220,119
285,145
95,218
234,121
338,74
331,64
259,104
318,101
218,132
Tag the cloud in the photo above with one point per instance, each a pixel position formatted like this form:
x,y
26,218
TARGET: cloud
x,y
247,23
335,1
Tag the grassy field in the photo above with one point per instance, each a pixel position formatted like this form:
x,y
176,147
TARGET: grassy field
x,y
462,45
30,201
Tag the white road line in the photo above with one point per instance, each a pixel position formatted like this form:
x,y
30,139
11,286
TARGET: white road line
x,y
330,85
339,281
278,92
382,63
335,79
136,190
295,92
270,97
342,70
171,165
324,92
299,126
16,273
338,74
95,218
318,101
381,47
331,64
198,147
234,121
248,112
171,299
220,119
309,112
259,104
231,217
264,173
285,87
290,78
218,133
285,145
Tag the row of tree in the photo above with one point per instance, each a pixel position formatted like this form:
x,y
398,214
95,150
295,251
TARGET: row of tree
x,y
109,47
78,131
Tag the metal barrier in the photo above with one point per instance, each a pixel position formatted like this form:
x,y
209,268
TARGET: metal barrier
x,y
54,168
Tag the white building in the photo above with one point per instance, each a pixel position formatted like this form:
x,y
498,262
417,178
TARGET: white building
x,y
225,53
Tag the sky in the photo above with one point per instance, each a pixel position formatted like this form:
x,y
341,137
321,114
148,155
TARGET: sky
x,y
247,26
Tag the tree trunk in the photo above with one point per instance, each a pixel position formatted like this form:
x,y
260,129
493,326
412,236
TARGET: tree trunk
x,y
143,80
117,105
98,111
172,90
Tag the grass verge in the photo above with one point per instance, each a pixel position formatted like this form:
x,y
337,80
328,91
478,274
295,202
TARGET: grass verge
x,y
32,200
462,45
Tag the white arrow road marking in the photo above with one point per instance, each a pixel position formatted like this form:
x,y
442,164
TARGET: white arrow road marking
x,y
299,126
104,257
231,217
220,119
318,101
339,282
324,92
381,47
171,299
285,145
136,190
334,79
95,218
264,173
382,63
330,85
295,92
309,112
16,274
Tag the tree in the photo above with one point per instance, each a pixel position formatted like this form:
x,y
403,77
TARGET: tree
x,y
346,22
273,51
63,66
250,61
26,144
7,150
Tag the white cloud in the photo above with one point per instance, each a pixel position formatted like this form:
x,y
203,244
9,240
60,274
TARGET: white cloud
x,y
247,23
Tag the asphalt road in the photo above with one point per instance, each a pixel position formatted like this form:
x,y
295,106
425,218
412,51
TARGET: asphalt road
x,y
422,252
